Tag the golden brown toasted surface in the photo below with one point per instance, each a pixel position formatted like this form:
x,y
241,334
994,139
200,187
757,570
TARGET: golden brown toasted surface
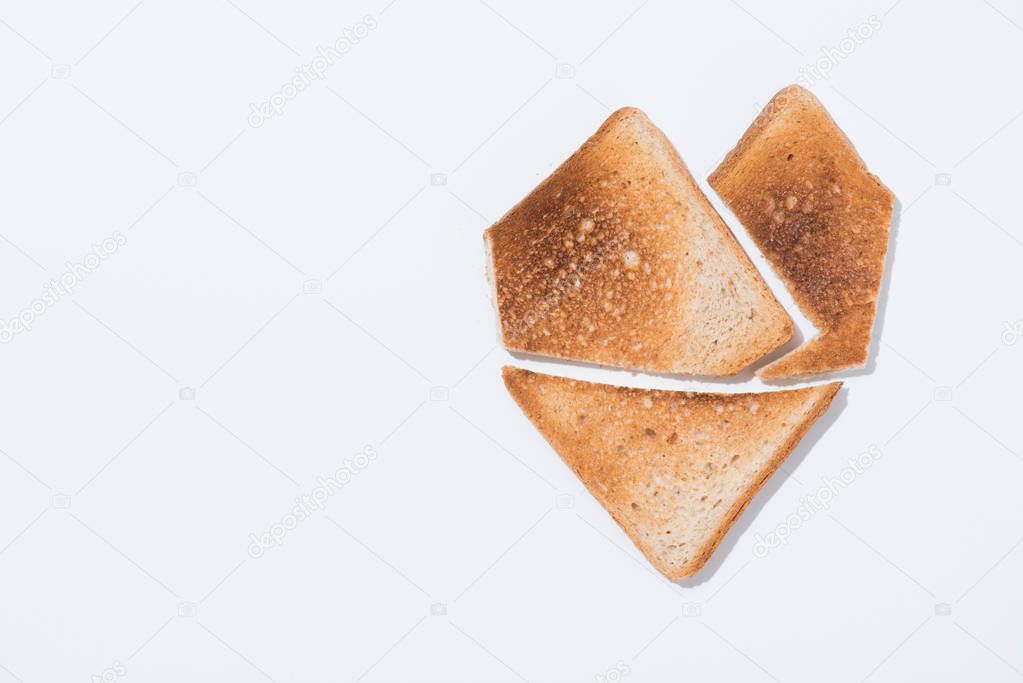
x,y
673,468
822,220
619,259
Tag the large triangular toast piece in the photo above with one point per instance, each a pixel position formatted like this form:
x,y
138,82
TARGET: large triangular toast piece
x,y
821,219
619,259
674,468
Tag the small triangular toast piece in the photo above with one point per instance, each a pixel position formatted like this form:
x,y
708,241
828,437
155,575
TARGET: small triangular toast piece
x,y
619,259
821,219
674,468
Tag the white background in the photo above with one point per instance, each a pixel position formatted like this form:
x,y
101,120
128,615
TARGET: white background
x,y
127,511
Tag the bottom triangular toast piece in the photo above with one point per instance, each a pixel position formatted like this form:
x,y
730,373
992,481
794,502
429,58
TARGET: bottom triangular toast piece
x,y
674,468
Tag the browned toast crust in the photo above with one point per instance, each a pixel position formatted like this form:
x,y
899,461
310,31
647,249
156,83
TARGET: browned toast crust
x,y
618,259
821,219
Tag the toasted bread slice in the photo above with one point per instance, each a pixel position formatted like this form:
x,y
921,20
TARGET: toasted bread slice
x,y
619,259
821,219
674,468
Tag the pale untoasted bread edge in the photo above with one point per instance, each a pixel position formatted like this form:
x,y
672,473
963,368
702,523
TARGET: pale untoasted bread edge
x,y
823,401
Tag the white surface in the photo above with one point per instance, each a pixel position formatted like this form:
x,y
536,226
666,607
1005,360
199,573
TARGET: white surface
x,y
459,506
